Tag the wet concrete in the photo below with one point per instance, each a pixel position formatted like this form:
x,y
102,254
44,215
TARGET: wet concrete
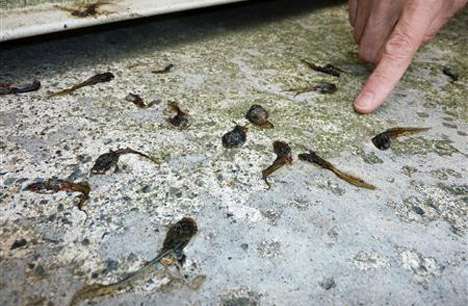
x,y
311,238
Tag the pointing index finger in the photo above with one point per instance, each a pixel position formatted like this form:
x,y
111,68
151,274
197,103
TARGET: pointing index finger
x,y
397,54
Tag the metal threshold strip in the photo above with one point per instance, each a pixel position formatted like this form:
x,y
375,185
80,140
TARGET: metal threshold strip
x,y
54,16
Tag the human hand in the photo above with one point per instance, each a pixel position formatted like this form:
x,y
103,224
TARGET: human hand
x,y
389,32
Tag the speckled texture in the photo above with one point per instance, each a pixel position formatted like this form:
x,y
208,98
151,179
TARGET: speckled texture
x,y
311,238
7,4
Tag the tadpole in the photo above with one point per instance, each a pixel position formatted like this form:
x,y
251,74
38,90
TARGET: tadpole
x,y
98,78
9,89
178,236
312,157
110,159
236,137
383,140
171,253
181,119
328,68
258,116
166,69
138,101
85,10
451,73
322,88
283,157
55,185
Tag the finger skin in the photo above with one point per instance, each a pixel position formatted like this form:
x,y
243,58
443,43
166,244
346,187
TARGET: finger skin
x,y
362,15
352,10
452,7
398,53
380,25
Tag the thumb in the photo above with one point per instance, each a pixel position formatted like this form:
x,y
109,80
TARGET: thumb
x,y
397,55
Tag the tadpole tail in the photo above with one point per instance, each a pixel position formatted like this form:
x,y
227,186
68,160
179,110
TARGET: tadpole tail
x,y
84,197
402,131
60,93
166,69
353,180
265,179
277,164
131,151
309,64
267,125
66,91
312,157
299,91
99,290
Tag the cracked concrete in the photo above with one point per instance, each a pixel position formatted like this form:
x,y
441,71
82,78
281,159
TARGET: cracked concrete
x,y
311,238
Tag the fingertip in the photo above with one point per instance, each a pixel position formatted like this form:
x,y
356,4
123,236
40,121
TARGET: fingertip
x,y
363,109
365,103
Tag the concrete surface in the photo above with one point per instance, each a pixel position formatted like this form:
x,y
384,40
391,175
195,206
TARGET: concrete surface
x,y
310,240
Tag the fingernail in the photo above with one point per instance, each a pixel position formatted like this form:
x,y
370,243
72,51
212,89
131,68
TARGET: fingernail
x,y
365,100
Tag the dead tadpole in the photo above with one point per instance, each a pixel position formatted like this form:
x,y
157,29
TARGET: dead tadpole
x,y
283,157
109,160
181,119
312,157
178,236
85,10
236,137
451,73
138,101
171,254
383,140
55,185
328,68
98,78
322,88
258,116
11,89
166,69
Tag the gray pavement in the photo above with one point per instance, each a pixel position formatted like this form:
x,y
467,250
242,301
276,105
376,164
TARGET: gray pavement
x,y
311,239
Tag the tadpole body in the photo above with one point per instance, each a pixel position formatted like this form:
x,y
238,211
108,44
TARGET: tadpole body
x,y
325,88
110,159
178,236
181,119
55,185
283,157
312,157
327,69
235,138
322,88
96,79
85,10
138,101
258,116
9,89
89,10
451,73
166,69
383,140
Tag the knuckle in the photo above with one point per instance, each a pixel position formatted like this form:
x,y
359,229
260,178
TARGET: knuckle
x,y
400,46
381,77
